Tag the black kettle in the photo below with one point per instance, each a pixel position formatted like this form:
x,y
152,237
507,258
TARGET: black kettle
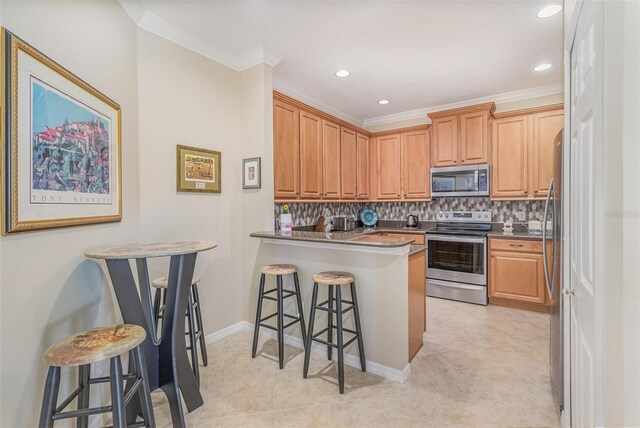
x,y
412,220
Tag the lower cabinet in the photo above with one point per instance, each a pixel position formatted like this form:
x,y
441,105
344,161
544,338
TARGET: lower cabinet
x,y
417,301
516,274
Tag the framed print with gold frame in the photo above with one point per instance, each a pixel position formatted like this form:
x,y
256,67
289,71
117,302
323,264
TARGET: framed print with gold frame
x,y
198,170
61,149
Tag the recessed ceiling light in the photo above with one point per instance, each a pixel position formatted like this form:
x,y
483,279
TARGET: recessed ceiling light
x,y
383,102
342,73
549,11
542,67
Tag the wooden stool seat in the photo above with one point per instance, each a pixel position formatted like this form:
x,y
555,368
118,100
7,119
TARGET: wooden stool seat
x,y
278,269
163,282
334,278
94,345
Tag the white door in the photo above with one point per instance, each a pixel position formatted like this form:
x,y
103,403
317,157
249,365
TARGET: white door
x,y
586,148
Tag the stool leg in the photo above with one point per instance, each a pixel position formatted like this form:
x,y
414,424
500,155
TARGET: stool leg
x,y
356,315
117,394
193,346
312,315
256,327
156,306
83,397
300,310
199,323
330,321
280,323
50,397
144,391
340,339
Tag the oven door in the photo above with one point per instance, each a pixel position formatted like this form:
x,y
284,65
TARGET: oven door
x,y
471,180
457,258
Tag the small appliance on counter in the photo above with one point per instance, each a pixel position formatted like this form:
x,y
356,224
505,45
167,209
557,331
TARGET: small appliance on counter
x,y
412,222
344,224
507,227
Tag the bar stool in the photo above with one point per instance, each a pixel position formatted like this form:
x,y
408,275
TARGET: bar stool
x,y
83,349
194,319
336,279
281,294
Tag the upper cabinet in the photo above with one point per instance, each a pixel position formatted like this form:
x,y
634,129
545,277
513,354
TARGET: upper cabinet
x,y
522,152
415,165
362,174
286,150
317,156
349,163
389,163
461,136
310,156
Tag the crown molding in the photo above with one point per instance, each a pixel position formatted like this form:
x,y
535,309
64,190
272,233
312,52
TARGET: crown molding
x,y
523,94
178,35
301,95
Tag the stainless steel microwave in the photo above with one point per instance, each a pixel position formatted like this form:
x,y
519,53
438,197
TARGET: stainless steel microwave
x,y
469,180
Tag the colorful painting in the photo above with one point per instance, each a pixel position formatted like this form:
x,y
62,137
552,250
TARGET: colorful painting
x,y
198,170
61,144
70,149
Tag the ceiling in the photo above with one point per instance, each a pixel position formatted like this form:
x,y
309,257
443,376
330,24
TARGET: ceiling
x,y
416,54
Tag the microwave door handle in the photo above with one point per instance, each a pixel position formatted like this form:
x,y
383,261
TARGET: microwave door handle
x,y
475,180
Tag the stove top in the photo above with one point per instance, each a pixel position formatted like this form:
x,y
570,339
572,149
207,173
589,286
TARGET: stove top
x,y
469,223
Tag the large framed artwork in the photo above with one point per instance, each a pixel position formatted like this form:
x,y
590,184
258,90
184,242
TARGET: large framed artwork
x,y
198,170
61,149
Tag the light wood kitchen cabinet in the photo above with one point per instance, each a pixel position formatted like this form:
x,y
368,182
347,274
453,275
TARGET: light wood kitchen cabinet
x,y
461,136
417,301
389,166
509,175
286,150
444,146
310,156
362,173
474,137
522,152
349,163
331,156
415,165
516,274
546,127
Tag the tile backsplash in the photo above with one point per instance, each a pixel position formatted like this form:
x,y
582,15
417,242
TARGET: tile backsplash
x,y
305,214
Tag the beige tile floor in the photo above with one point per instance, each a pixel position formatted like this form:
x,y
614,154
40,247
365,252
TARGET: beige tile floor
x,y
480,366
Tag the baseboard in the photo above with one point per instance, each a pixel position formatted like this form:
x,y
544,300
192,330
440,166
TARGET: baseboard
x,y
386,372
227,331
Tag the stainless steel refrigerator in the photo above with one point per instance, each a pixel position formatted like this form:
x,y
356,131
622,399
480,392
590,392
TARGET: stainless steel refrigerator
x,y
553,273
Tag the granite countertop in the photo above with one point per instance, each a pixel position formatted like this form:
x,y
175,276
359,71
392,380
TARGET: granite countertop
x,y
361,237
519,232
416,249
148,249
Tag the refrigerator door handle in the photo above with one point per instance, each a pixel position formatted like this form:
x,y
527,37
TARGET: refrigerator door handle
x,y
547,280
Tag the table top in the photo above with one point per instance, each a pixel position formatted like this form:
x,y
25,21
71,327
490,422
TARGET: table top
x,y
149,249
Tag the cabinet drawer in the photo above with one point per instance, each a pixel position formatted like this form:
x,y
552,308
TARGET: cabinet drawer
x,y
419,238
521,245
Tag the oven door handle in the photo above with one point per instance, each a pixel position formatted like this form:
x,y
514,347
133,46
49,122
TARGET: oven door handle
x,y
450,238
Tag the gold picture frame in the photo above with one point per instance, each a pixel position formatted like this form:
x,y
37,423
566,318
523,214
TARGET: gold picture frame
x,y
198,170
61,145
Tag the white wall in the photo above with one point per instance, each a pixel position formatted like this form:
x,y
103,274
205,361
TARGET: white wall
x,y
48,289
187,99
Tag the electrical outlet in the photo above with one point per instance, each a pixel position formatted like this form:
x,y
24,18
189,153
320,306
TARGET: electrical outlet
x,y
520,215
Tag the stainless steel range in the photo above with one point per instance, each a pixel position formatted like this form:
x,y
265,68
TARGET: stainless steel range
x,y
457,256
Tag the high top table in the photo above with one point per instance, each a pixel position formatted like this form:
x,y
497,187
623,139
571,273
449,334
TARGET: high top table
x,y
166,357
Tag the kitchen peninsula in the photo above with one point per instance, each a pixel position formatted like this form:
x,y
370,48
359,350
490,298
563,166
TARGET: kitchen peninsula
x,y
390,270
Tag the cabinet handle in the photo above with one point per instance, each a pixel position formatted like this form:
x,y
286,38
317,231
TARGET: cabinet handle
x,y
462,161
455,161
517,245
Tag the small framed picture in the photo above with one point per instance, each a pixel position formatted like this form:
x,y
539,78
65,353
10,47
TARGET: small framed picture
x,y
251,173
198,170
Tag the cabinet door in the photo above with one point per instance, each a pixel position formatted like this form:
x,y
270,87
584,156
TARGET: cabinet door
x,y
445,141
417,302
415,165
389,166
509,174
517,276
330,160
310,156
286,151
546,127
474,138
349,163
362,184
